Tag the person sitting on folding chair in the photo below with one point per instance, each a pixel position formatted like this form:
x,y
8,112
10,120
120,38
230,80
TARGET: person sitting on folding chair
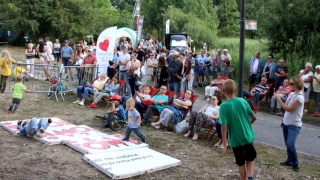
x,y
83,91
107,92
175,112
215,85
208,114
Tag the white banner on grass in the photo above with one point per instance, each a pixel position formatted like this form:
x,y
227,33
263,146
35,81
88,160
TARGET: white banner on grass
x,y
133,162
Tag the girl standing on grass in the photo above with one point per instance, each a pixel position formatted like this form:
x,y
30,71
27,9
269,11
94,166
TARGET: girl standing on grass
x,y
6,65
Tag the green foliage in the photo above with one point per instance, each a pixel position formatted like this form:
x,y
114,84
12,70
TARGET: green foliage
x,y
192,25
229,18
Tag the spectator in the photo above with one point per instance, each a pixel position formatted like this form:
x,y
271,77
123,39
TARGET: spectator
x,y
200,66
208,68
18,89
115,58
111,71
30,54
20,71
281,74
161,73
134,120
66,56
56,50
79,62
316,89
32,127
183,60
292,123
49,44
186,77
158,103
140,98
6,65
269,73
152,64
306,75
175,112
208,114
133,68
215,85
234,119
124,58
83,91
40,46
116,109
217,63
283,93
174,67
90,61
226,58
109,90
46,60
258,92
255,69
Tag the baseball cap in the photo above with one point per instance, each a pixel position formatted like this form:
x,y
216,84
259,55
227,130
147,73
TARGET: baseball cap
x,y
66,41
90,50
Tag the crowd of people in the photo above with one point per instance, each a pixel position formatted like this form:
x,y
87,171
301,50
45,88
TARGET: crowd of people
x,y
177,72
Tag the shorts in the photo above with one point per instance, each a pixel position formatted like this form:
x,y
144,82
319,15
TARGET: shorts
x,y
244,153
66,62
253,78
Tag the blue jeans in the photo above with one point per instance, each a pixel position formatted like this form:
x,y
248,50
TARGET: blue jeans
x,y
124,76
290,134
32,127
80,75
85,93
256,96
317,99
137,132
148,113
175,86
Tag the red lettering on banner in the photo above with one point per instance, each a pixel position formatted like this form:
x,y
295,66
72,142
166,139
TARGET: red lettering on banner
x,y
120,136
72,131
110,141
50,135
59,123
102,145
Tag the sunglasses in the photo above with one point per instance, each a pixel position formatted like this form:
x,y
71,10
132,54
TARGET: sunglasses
x,y
291,84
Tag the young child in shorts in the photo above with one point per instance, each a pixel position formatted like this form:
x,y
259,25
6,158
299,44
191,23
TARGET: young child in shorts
x,y
116,109
134,120
234,119
18,89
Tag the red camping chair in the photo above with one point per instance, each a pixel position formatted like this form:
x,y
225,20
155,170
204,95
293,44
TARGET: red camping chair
x,y
170,95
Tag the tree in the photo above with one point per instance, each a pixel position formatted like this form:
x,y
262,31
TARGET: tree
x,y
229,18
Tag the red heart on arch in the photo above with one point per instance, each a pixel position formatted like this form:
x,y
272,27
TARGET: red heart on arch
x,y
104,45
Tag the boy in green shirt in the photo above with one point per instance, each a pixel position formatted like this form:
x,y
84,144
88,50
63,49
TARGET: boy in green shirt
x,y
234,119
18,89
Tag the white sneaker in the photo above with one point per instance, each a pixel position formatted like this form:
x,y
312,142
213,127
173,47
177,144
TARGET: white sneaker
x,y
40,133
81,103
155,126
77,102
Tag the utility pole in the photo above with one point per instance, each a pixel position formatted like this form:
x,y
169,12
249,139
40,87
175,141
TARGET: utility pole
x,y
242,44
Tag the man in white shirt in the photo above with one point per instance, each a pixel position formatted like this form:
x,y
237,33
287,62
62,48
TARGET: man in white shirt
x,y
49,44
226,58
124,58
256,66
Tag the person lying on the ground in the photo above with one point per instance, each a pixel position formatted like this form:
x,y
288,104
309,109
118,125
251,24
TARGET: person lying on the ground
x,y
83,91
258,92
208,114
158,103
215,85
283,93
116,109
175,112
32,127
110,90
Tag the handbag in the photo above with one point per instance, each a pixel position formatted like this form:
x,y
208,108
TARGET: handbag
x,y
146,102
182,127
138,81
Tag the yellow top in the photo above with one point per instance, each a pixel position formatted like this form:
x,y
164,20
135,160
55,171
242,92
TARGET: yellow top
x,y
316,85
18,71
6,68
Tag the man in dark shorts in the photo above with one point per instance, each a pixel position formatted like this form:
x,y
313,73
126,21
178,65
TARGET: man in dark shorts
x,y
234,115
256,66
66,56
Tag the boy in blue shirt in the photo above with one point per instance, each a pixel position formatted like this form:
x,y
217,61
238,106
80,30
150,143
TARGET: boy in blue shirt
x,y
116,109
134,120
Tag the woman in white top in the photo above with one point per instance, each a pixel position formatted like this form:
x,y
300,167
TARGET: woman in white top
x,y
208,114
30,54
79,62
152,64
186,77
133,69
306,75
292,123
56,50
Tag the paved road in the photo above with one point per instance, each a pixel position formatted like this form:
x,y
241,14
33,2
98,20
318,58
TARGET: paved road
x,y
268,131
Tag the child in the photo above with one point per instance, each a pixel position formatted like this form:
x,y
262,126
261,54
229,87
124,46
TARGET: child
x,y
18,89
33,128
20,71
116,109
111,70
5,65
234,119
139,97
134,120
